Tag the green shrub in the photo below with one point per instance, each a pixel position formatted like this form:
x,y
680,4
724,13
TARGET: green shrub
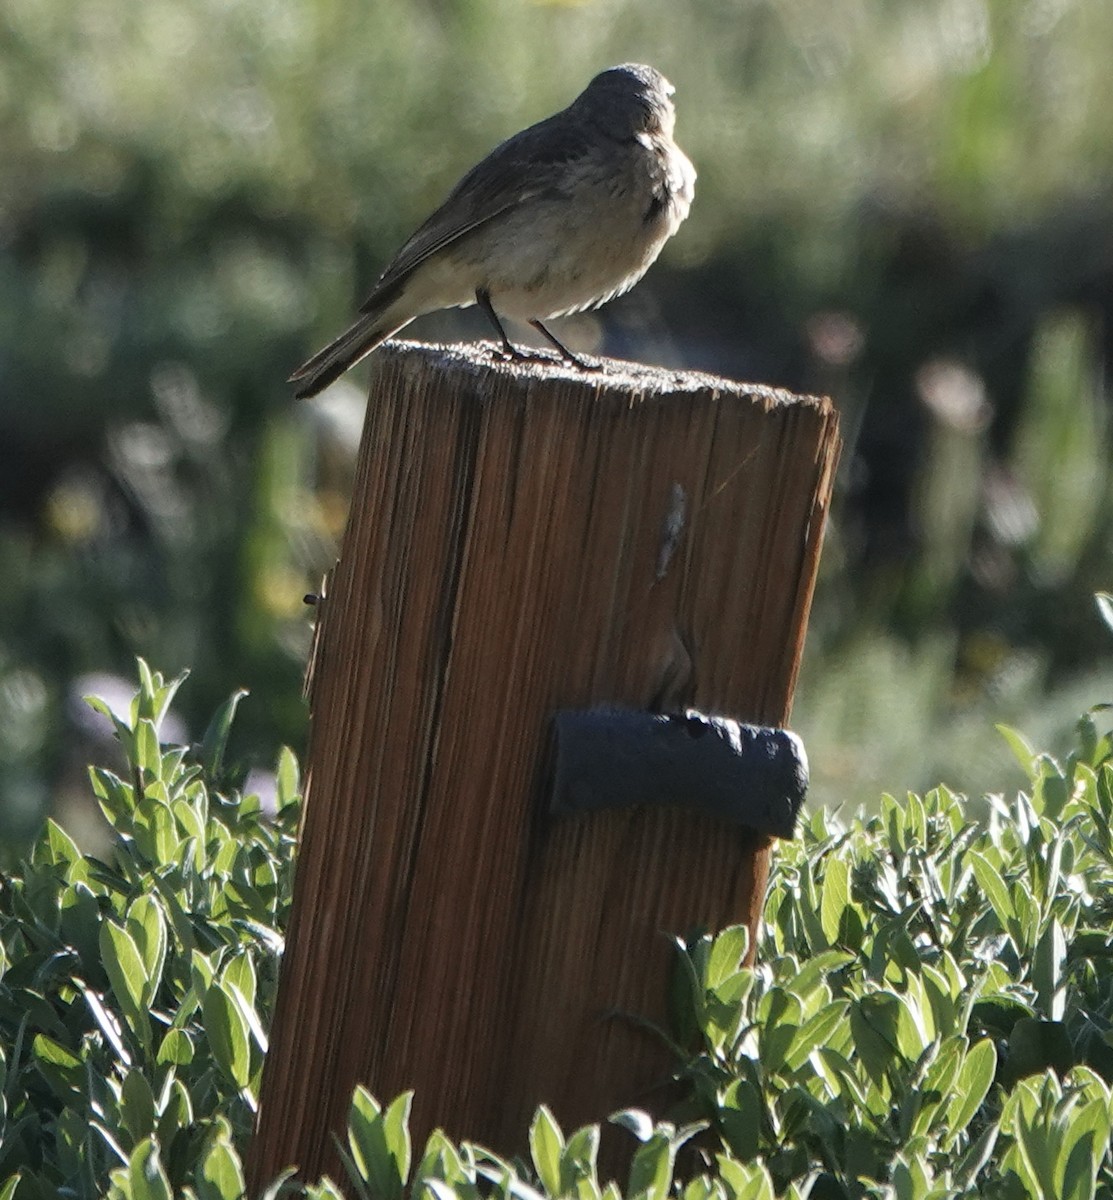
x,y
133,994
931,1016
934,1004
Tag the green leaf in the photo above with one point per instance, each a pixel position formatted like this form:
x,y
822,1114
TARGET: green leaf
x,y
1038,1159
975,1078
578,1163
834,898
1051,789
816,1031
915,1022
875,1025
145,1174
127,976
816,971
116,798
137,1106
287,778
227,1033
911,1178
156,831
64,1071
215,741
250,1016
652,1167
735,1176
220,1176
121,726
147,927
240,972
780,1014
396,1126
175,1112
546,1144
380,1143
1022,749
740,1118
996,892
147,753
702,1188
928,1099
56,848
728,949
442,1160
201,970
1086,1136
759,1187
1047,971
971,1164
191,822
152,701
142,703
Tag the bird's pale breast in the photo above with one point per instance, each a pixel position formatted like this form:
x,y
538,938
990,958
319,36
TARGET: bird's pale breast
x,y
588,239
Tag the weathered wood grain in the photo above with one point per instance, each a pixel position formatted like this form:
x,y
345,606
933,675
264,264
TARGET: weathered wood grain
x,y
504,558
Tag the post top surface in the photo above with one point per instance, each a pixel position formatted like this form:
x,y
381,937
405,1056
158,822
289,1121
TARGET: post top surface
x,y
614,375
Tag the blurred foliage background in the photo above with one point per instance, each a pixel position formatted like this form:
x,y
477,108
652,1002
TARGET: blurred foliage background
x,y
904,203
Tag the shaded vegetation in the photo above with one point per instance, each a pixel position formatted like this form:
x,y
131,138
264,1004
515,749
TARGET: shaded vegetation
x,y
931,1014
905,204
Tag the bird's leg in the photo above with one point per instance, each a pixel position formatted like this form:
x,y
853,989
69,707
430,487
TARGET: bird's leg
x,y
575,359
483,299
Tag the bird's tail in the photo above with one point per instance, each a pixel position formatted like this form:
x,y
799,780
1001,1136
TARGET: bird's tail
x,y
329,364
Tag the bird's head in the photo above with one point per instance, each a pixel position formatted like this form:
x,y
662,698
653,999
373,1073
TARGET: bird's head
x,y
628,100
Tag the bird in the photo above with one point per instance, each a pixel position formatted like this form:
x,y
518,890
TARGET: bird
x,y
558,219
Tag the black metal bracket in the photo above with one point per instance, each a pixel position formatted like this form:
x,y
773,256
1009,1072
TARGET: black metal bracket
x,y
752,775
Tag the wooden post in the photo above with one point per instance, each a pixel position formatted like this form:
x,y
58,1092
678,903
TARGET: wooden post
x,y
523,540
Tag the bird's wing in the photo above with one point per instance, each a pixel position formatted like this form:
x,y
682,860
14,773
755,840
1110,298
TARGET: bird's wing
x,y
524,167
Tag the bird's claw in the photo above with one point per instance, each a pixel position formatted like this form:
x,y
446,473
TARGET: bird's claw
x,y
524,356
543,356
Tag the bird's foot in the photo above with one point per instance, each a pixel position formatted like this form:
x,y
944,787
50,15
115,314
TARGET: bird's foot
x,y
511,353
542,356
582,363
